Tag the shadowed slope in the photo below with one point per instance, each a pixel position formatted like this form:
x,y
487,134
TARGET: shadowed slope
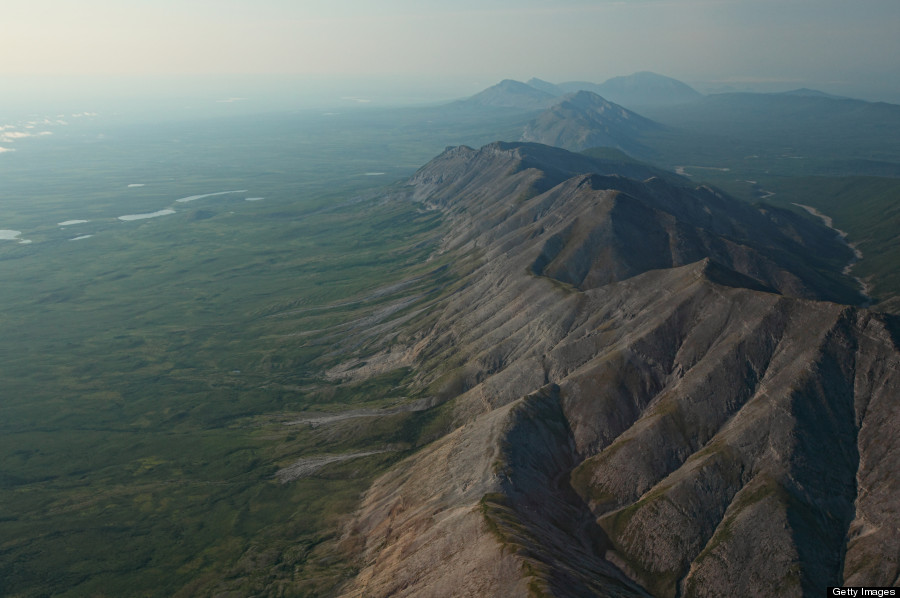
x,y
634,399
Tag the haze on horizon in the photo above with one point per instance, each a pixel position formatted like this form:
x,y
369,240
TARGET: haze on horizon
x,y
427,50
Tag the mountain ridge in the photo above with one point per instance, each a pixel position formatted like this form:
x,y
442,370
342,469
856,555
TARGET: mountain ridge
x,y
637,90
645,434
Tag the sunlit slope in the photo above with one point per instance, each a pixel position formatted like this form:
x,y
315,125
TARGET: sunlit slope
x,y
645,396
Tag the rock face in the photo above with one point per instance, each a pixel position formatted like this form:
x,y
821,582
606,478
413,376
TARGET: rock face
x,y
659,393
583,119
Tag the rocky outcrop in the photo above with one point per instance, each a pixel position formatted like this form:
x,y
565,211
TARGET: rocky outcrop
x,y
657,393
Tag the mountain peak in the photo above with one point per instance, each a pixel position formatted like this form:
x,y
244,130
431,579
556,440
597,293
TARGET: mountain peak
x,y
510,93
542,85
583,120
646,88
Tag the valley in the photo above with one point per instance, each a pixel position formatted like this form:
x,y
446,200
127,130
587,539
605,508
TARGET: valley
x,y
395,352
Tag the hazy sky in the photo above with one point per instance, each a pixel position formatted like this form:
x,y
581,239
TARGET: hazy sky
x,y
836,45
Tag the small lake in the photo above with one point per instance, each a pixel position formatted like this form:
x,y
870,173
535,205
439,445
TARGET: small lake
x,y
196,197
157,214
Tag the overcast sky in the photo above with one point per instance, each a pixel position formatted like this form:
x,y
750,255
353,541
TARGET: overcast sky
x,y
835,45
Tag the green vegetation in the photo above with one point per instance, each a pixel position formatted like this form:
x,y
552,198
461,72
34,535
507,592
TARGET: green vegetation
x,y
504,524
868,210
841,157
153,374
148,371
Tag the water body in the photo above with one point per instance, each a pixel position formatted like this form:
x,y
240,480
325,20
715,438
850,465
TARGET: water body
x,y
196,197
857,254
145,216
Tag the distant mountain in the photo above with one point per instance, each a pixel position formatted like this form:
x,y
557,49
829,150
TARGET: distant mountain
x,y
647,89
653,391
582,120
816,128
550,88
573,86
638,90
509,94
812,93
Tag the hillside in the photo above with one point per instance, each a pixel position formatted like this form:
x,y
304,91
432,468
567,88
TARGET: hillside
x,y
583,120
647,89
650,393
509,94
785,134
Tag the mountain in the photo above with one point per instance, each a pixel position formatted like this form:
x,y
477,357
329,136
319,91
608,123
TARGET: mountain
x,y
652,389
509,94
806,132
542,85
639,90
812,93
583,120
574,86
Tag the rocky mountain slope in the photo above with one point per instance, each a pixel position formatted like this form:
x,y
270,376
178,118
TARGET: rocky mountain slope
x,y
656,391
582,120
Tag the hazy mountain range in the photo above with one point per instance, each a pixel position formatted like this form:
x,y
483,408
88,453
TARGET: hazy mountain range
x,y
639,89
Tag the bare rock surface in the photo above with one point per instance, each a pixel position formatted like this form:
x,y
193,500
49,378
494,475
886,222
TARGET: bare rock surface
x,y
659,391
